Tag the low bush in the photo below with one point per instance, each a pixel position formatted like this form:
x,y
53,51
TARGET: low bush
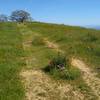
x,y
59,67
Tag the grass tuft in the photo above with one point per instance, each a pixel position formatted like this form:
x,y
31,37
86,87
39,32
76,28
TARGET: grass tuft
x,y
59,67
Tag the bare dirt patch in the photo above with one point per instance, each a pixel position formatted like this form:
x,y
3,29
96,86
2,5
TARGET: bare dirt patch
x,y
40,86
52,45
89,76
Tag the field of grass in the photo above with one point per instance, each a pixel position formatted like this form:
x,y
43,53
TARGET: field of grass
x,y
10,62
31,46
75,41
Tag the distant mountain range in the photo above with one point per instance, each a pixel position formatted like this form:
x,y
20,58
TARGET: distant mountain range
x,y
93,26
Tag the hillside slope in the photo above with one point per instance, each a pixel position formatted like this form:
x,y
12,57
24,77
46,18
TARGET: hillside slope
x,y
28,48
75,41
47,41
11,52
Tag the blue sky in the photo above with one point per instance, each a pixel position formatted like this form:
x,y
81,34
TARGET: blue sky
x,y
72,12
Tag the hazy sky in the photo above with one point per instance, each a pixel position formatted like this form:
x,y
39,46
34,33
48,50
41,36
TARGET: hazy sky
x,y
73,12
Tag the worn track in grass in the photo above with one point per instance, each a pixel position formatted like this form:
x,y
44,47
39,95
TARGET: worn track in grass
x,y
38,85
89,76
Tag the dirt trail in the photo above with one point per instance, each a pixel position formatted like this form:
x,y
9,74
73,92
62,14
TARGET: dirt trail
x,y
52,45
38,85
26,43
89,76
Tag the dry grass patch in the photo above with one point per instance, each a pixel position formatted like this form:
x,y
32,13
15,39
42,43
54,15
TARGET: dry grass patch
x,y
89,76
40,86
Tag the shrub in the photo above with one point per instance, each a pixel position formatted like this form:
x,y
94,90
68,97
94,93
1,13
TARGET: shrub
x,y
58,63
59,67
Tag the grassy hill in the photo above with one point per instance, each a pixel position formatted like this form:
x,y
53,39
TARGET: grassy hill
x,y
10,62
75,41
27,48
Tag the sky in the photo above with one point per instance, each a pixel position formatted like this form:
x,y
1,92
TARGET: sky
x,y
70,12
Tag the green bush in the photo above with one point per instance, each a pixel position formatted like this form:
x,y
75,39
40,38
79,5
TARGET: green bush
x,y
59,67
58,63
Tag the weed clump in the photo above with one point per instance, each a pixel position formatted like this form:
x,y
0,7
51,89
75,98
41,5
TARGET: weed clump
x,y
59,67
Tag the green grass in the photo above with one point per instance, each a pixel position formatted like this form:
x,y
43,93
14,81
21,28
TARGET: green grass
x,y
38,41
10,62
75,41
60,68
42,55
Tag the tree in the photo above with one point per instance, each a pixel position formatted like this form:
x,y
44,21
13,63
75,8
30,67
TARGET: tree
x,y
20,16
3,18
